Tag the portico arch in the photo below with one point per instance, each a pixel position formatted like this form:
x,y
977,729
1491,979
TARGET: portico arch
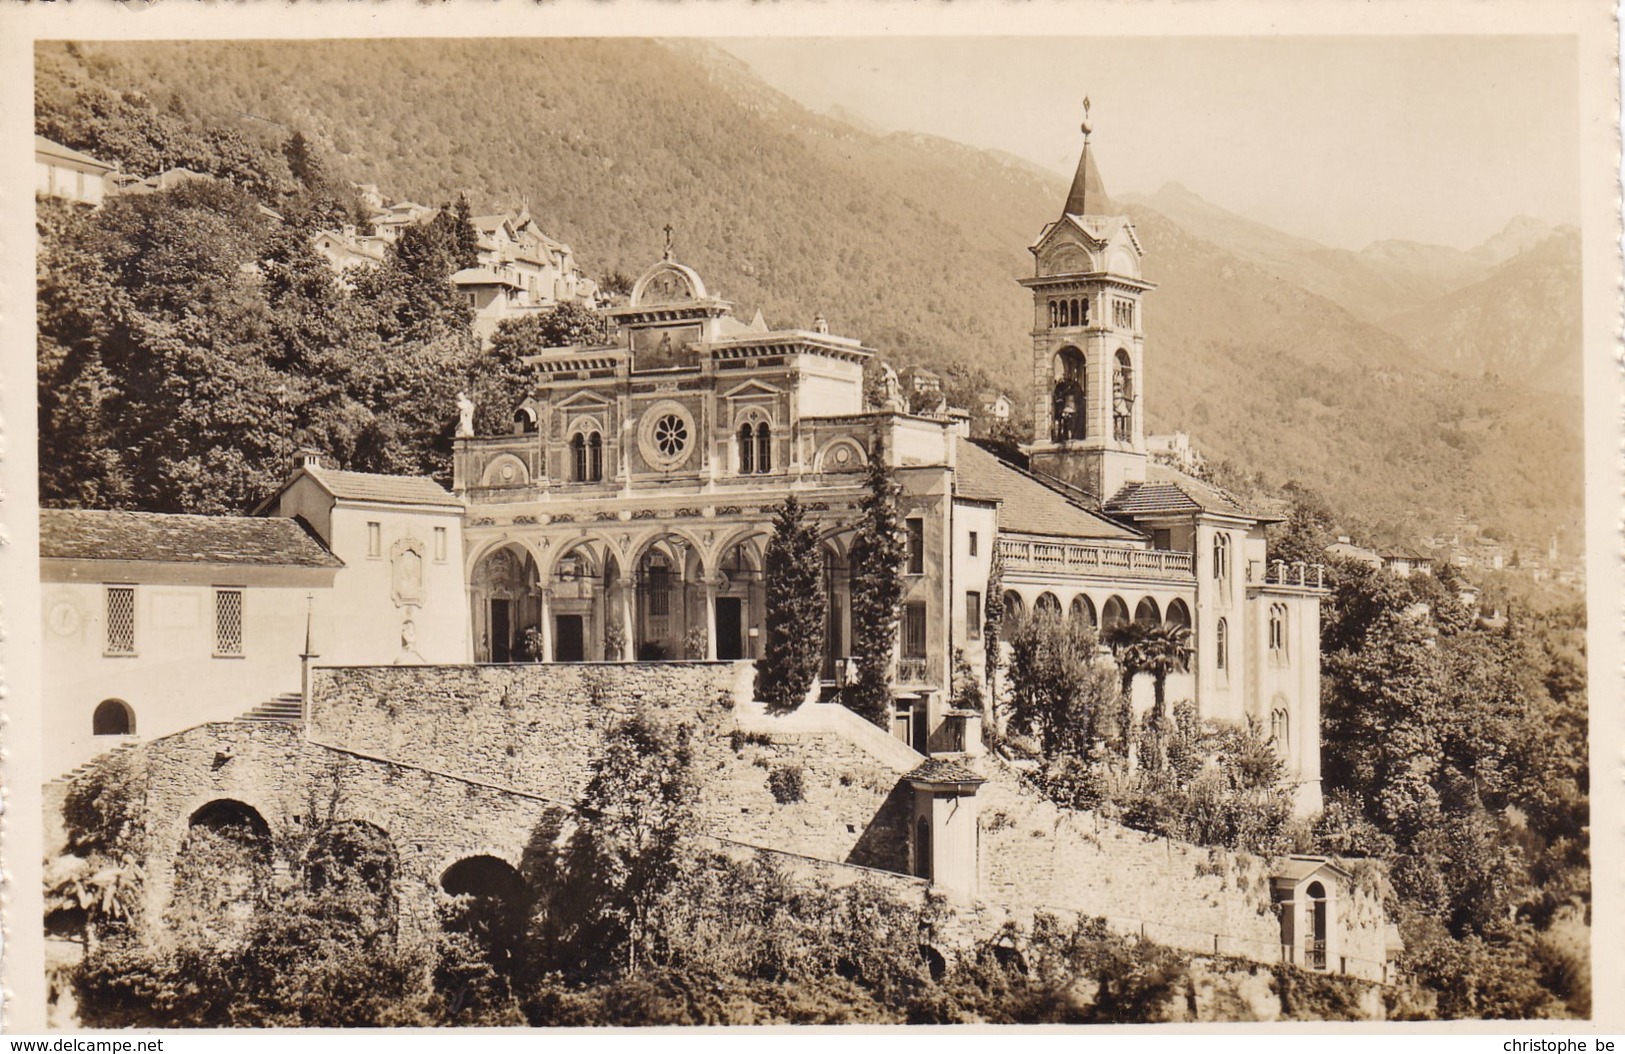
x,y
505,597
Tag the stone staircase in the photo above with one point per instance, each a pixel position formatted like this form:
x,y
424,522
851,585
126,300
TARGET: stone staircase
x,y
287,709
74,774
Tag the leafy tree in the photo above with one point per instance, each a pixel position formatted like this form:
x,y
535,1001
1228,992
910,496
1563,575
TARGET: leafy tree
x,y
796,609
877,554
1056,686
637,809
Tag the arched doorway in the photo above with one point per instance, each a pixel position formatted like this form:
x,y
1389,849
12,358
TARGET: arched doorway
x,y
1318,921
741,601
577,602
837,628
506,598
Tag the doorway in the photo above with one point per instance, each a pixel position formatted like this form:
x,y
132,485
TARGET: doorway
x,y
569,639
501,630
730,628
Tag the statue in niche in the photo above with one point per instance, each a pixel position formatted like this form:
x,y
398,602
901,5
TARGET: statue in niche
x,y
465,415
409,644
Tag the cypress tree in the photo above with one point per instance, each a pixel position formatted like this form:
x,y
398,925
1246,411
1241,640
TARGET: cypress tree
x,y
796,608
877,556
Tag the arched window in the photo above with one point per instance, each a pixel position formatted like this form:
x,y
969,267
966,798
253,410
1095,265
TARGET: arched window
x,y
1278,640
1068,406
1054,314
1048,606
747,450
1123,399
586,457
524,420
1146,614
113,717
1221,556
1083,611
764,448
1014,610
1114,614
1221,645
1178,614
1280,730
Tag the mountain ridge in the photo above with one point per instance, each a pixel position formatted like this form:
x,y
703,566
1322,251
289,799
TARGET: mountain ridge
x,y
912,243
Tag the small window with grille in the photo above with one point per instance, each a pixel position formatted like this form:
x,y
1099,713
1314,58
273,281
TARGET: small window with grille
x,y
228,622
121,620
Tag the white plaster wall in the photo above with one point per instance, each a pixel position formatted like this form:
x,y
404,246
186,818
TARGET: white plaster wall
x,y
174,680
368,629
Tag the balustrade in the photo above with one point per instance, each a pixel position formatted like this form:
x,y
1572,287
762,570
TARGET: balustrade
x,y
1023,554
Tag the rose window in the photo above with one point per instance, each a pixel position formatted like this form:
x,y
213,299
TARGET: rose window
x,y
671,435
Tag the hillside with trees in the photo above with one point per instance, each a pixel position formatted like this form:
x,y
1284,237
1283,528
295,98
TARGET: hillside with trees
x,y
910,242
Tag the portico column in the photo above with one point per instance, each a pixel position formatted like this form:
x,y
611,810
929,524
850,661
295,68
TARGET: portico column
x,y
629,609
710,619
547,624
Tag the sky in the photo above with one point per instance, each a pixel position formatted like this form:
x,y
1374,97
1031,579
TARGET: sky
x,y
1438,139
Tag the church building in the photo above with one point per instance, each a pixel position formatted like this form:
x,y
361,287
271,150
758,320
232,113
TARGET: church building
x,y
626,514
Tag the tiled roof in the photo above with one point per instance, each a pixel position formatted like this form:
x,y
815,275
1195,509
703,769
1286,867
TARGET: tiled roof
x,y
1029,504
395,490
942,770
155,537
1167,489
43,145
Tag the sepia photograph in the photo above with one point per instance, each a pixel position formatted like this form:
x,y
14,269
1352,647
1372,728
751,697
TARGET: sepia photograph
x,y
886,529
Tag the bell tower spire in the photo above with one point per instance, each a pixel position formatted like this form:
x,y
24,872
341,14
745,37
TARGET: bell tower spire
x,y
1088,340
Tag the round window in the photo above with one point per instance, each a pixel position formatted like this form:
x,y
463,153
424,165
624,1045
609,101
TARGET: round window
x,y
671,435
666,436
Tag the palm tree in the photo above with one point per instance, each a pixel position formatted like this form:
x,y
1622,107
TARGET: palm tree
x,y
1125,639
1160,651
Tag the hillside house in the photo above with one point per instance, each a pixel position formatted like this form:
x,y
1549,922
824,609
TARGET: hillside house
x,y
61,172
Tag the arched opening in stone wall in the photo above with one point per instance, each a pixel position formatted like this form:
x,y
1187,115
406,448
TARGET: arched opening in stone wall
x,y
1178,615
113,717
486,901
354,863
506,615
576,604
1146,613
1047,606
223,871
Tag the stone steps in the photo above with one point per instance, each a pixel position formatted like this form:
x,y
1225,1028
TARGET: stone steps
x,y
287,709
76,773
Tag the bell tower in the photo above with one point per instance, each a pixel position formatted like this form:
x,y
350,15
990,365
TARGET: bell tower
x,y
1088,386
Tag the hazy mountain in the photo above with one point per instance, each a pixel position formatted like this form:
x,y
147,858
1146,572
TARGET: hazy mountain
x,y
1522,323
911,242
1381,280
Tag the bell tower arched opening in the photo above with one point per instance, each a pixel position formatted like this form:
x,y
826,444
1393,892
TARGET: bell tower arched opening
x,y
1069,397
